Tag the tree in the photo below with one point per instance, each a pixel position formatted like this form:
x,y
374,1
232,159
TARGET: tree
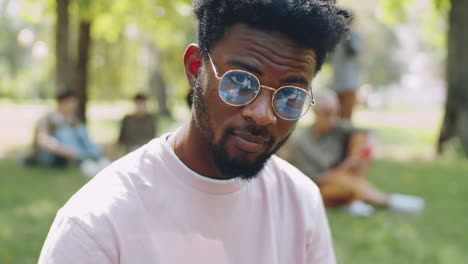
x,y
156,81
166,25
62,68
455,123
80,85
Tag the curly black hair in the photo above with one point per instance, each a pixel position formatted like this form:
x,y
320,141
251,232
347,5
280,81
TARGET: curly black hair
x,y
316,24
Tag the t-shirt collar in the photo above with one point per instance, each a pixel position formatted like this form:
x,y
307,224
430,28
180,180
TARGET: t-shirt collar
x,y
196,180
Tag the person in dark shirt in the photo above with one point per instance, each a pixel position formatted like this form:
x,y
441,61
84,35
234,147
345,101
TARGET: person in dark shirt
x,y
138,128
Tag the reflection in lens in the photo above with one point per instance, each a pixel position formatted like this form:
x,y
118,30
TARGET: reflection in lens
x,y
238,87
291,102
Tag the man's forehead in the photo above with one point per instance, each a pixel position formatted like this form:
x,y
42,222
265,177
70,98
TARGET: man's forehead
x,y
243,34
242,41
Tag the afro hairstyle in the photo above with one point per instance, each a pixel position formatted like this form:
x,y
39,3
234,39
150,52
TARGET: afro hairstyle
x,y
316,24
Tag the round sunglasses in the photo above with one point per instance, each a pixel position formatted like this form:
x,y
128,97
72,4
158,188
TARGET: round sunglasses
x,y
238,88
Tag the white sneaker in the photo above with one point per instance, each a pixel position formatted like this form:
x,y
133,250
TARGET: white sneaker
x,y
89,168
103,162
406,203
360,208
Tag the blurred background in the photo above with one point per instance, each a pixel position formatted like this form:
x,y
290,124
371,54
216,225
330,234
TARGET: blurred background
x,y
413,95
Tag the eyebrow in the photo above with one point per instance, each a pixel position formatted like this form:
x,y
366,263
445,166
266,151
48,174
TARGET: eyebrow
x,y
295,79
252,69
245,66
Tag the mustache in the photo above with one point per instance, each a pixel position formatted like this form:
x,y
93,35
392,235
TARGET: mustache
x,y
254,131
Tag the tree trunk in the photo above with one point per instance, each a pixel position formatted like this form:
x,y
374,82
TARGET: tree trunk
x,y
455,124
81,70
156,82
62,65
159,87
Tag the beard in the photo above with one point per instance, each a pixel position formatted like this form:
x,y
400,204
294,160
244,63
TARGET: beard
x,y
228,166
238,167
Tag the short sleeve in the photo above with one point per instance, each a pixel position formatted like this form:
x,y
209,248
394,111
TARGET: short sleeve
x,y
68,242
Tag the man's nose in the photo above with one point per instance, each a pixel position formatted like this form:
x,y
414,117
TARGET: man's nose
x,y
260,109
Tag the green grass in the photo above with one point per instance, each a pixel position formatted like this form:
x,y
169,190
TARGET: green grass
x,y
30,197
435,236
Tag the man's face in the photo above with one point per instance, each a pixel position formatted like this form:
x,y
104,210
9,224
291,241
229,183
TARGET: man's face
x,y
70,105
242,138
326,115
140,107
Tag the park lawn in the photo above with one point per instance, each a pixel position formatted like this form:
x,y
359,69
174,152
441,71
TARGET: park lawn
x,y
437,235
30,197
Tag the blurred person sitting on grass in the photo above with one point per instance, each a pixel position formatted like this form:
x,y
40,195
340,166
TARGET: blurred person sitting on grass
x,y
60,139
337,156
138,128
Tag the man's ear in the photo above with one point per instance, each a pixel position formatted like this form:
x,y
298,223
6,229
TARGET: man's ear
x,y
192,63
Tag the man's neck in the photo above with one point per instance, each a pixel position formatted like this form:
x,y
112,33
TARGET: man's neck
x,y
139,114
192,149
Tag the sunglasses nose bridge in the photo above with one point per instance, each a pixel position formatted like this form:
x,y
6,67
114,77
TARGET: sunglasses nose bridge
x,y
260,109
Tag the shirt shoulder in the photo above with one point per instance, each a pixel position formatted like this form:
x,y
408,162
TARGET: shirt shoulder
x,y
68,242
126,118
114,196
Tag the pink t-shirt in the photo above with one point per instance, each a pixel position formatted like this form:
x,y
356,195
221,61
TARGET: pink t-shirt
x,y
148,207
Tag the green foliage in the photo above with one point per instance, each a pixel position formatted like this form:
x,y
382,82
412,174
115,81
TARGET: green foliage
x,y
24,73
377,58
395,10
122,35
431,19
378,64
442,5
121,32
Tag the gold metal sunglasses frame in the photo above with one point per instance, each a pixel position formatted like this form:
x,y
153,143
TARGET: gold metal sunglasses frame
x,y
261,86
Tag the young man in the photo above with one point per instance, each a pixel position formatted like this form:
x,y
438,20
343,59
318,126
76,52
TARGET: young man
x,y
211,192
60,138
337,156
138,128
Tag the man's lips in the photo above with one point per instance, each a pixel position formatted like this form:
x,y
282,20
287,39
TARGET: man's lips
x,y
251,138
249,143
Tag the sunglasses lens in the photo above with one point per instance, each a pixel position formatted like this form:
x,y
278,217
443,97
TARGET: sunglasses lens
x,y
238,88
291,102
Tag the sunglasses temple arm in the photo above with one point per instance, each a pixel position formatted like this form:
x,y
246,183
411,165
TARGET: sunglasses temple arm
x,y
214,68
